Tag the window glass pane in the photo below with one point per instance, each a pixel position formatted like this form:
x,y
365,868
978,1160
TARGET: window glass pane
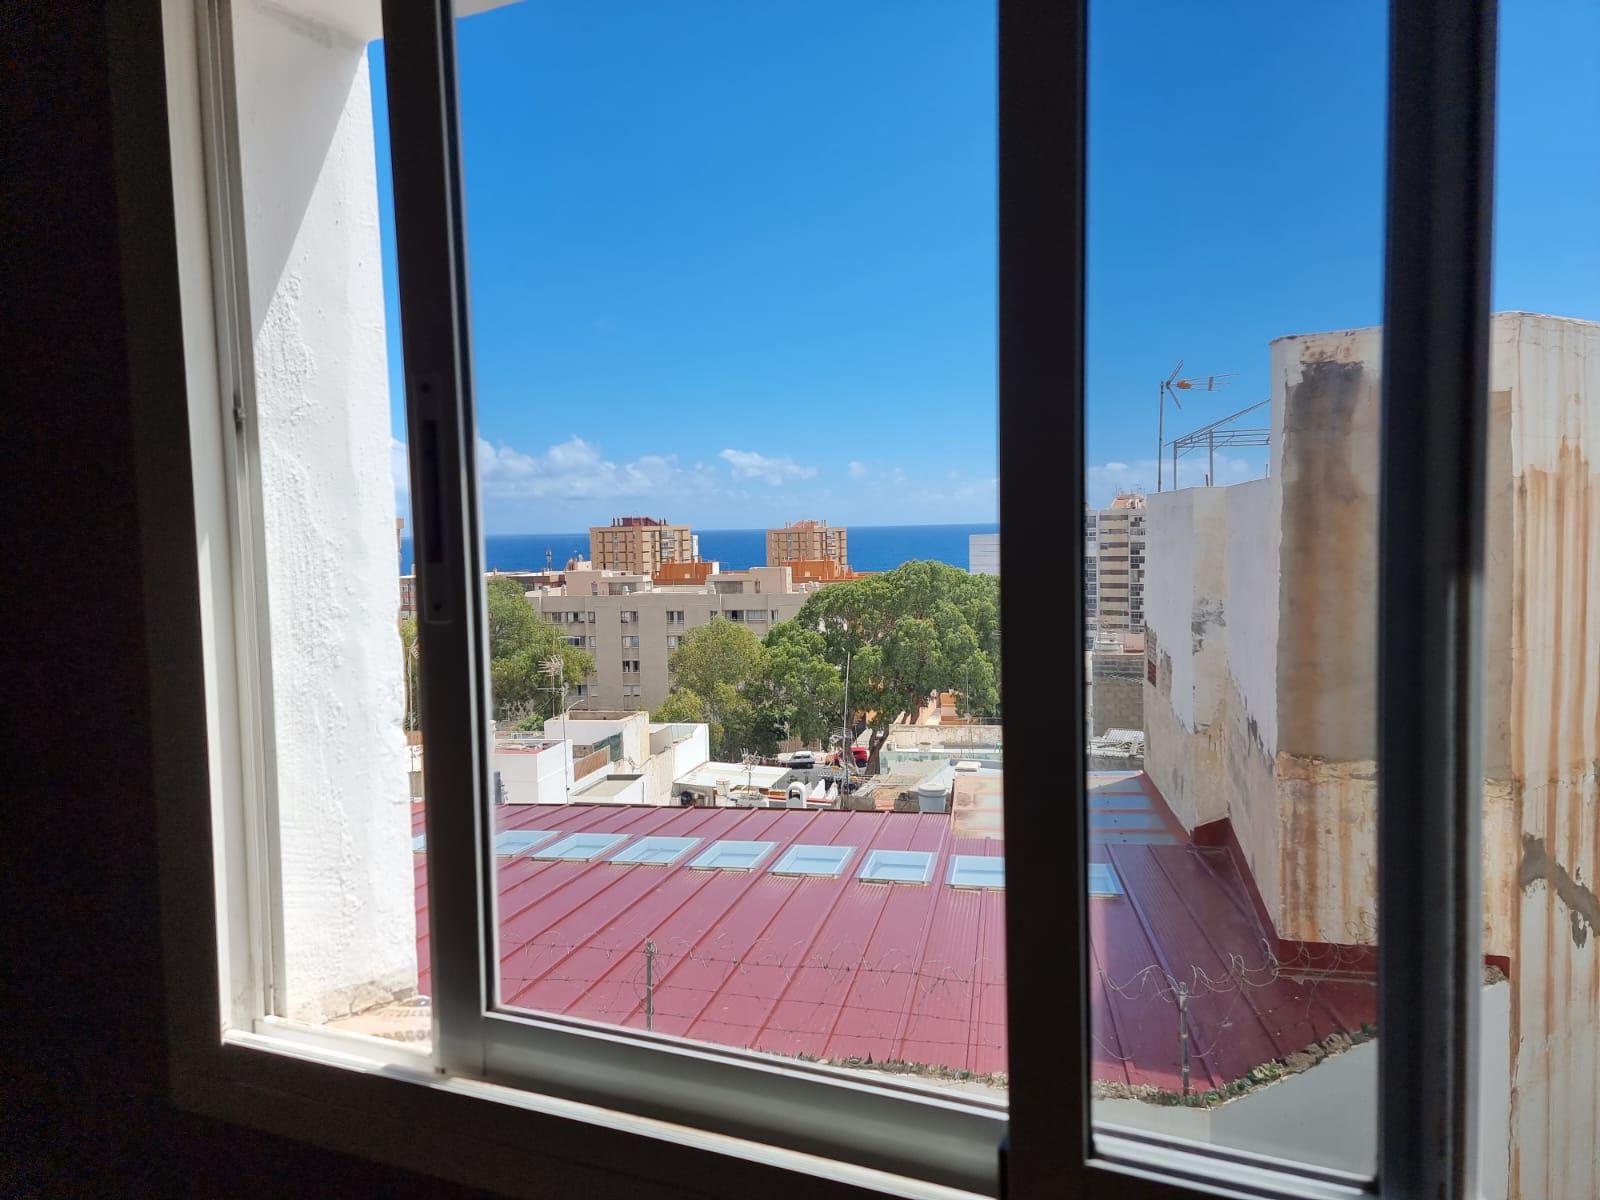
x,y
1235,261
733,288
1539,1064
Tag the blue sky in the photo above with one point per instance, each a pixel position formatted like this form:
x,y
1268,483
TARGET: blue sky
x,y
734,263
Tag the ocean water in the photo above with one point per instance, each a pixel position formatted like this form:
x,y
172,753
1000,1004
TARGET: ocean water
x,y
872,547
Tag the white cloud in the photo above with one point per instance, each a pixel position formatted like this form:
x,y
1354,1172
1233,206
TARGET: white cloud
x,y
747,464
1105,480
858,470
399,467
576,470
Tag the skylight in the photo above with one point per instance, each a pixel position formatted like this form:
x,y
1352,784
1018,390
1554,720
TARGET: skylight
x,y
898,866
1103,880
813,860
581,847
657,850
977,871
733,856
515,841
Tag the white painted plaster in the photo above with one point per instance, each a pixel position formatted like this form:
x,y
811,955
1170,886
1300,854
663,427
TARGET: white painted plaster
x,y
322,398
533,772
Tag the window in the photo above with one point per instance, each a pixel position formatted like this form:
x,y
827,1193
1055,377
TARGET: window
x,y
813,860
979,871
630,641
735,614
1103,880
733,856
629,616
580,847
674,616
630,666
518,841
672,641
659,851
1046,838
897,866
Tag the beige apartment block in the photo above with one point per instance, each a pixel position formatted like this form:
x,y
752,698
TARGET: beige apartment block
x,y
1260,702
1115,540
640,544
631,624
812,541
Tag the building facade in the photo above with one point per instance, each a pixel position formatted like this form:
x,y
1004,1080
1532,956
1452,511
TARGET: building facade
x,y
640,544
983,554
1261,690
631,624
811,541
1116,536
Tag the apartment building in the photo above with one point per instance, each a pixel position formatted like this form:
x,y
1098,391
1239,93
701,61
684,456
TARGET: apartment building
x,y
640,544
1115,540
528,579
810,541
983,554
631,623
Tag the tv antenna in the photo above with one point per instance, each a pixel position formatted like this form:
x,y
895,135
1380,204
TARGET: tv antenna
x,y
1171,386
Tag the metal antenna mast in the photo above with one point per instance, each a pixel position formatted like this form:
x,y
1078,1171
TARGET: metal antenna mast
x,y
1171,386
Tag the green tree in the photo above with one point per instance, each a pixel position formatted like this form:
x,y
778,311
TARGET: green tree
x,y
922,628
713,669
521,649
521,646
798,693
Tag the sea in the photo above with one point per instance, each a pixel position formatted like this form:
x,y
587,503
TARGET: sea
x,y
872,547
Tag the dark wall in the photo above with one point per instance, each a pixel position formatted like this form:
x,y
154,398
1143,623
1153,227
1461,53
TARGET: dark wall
x,y
84,1065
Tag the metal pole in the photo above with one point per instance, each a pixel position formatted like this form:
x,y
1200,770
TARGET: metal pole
x,y
846,749
1161,412
1211,459
650,984
1183,1035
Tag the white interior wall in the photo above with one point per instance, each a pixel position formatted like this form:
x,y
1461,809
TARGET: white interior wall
x,y
322,397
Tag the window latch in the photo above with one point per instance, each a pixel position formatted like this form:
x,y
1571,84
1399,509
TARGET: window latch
x,y
238,409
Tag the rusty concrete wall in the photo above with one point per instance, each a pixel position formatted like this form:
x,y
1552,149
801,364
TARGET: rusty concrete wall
x,y
1549,369
1326,412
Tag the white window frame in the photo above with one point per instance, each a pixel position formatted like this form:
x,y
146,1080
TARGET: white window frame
x,y
602,1096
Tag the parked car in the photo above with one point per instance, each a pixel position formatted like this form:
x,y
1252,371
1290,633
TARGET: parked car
x,y
858,753
801,760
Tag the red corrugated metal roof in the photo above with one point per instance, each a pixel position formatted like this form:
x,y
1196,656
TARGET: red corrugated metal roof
x,y
843,968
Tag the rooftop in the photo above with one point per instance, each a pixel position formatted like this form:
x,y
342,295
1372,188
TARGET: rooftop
x,y
796,953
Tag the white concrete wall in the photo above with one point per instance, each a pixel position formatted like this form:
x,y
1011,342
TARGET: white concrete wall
x,y
529,777
635,731
322,394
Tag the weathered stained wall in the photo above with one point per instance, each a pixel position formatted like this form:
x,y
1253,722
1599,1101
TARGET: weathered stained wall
x,y
1326,421
1550,369
1118,691
1186,647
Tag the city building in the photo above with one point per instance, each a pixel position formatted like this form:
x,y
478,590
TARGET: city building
x,y
810,541
1116,682
1261,694
528,579
1091,573
631,623
1116,535
983,553
640,544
